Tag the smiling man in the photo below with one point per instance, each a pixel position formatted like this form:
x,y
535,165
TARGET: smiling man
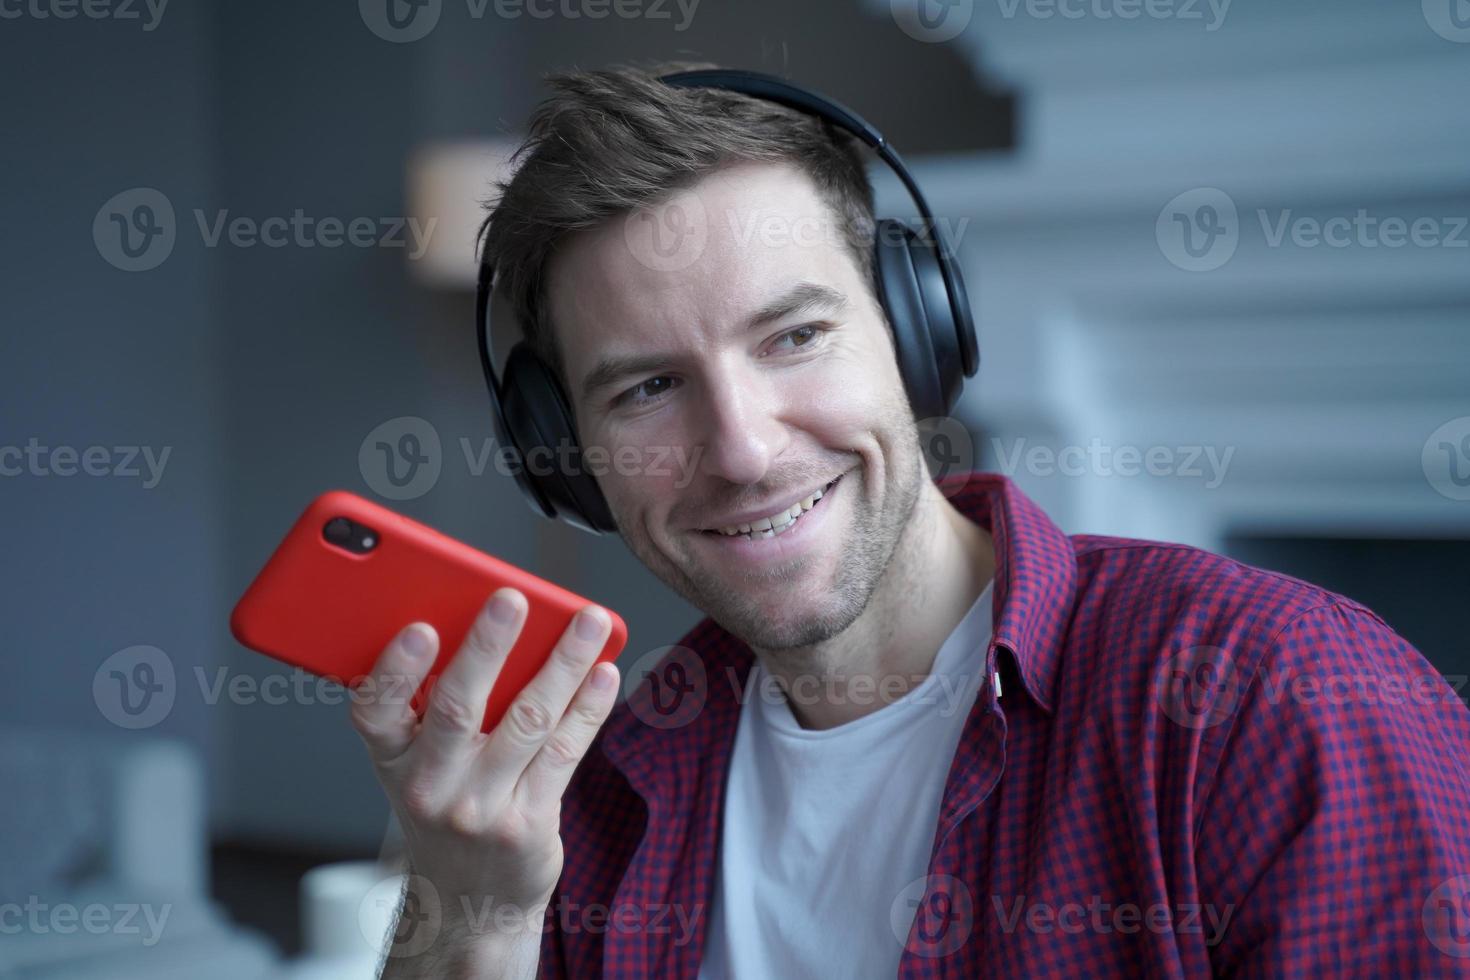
x,y
922,732
776,361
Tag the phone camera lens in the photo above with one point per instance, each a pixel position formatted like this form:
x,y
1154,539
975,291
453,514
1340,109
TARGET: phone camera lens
x,y
338,530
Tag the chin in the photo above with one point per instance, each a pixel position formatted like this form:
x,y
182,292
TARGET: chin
x,y
794,625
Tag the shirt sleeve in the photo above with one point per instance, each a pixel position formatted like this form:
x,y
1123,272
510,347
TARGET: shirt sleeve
x,y
552,963
1336,832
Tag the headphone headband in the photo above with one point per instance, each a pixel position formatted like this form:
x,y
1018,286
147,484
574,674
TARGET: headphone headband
x,y
773,89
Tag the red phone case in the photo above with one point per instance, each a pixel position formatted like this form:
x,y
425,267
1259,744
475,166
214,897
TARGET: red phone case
x,y
322,608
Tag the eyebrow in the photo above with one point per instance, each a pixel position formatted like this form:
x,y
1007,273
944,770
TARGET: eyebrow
x,y
803,299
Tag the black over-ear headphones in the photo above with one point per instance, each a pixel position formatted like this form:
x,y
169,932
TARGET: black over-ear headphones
x,y
919,285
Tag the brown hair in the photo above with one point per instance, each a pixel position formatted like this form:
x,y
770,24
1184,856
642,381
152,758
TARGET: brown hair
x,y
609,142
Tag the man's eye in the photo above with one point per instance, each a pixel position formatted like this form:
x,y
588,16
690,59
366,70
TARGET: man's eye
x,y
801,336
653,389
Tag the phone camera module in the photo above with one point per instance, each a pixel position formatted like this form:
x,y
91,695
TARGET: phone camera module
x,y
350,536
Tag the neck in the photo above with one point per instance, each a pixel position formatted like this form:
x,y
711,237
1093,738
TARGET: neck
x,y
942,563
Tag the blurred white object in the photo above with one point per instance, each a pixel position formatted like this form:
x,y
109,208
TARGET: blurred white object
x,y
103,863
447,183
347,909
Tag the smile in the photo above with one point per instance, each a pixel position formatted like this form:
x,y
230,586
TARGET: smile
x,y
777,524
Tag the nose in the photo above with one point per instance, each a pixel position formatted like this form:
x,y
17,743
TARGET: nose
x,y
744,428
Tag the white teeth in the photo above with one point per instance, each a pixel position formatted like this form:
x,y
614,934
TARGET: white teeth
x,y
768,527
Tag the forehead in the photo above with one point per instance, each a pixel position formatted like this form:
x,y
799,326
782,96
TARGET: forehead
x,y
692,268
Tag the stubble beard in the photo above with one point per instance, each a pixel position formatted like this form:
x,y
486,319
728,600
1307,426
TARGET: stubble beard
x,y
868,548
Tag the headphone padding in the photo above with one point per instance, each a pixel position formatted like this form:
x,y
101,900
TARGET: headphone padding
x,y
903,302
939,319
537,415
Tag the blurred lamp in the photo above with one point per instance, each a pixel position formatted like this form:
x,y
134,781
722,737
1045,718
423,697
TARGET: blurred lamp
x,y
448,184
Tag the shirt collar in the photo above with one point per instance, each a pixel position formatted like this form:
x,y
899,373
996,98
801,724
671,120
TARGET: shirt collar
x,y
703,676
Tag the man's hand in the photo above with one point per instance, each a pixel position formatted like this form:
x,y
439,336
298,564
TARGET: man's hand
x,y
480,812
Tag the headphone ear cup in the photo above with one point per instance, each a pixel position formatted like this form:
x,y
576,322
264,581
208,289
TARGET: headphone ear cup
x,y
900,290
540,425
940,318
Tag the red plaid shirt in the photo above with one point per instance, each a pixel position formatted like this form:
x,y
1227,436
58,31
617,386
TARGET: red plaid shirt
x,y
1195,767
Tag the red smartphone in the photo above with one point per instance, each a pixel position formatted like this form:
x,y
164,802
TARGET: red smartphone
x,y
351,574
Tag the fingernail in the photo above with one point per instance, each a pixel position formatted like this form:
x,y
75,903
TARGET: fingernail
x,y
416,641
503,610
602,677
589,624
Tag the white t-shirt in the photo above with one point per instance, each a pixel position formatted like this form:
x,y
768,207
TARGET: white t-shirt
x,y
823,830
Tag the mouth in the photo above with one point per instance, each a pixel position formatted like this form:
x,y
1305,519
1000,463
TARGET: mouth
x,y
777,524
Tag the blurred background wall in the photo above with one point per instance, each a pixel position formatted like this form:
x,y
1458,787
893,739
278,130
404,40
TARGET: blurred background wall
x,y
1187,329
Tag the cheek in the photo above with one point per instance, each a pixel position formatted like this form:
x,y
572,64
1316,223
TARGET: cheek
x,y
639,480
855,388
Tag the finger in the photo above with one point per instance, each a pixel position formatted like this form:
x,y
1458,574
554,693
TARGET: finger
x,y
456,707
546,778
536,711
382,710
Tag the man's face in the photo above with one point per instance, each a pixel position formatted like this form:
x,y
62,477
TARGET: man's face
x,y
765,365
